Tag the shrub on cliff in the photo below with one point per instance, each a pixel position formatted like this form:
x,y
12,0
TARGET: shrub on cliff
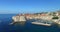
x,y
55,17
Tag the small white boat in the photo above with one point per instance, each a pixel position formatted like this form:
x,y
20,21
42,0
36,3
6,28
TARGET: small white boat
x,y
38,23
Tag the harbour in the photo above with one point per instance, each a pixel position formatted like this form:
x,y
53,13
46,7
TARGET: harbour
x,y
48,18
29,15
27,27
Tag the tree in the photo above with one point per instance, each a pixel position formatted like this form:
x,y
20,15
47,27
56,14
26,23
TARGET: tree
x,y
55,17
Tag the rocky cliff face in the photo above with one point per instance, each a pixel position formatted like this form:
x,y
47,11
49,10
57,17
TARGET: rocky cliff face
x,y
18,18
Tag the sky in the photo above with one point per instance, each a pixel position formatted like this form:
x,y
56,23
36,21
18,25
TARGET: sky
x,y
28,6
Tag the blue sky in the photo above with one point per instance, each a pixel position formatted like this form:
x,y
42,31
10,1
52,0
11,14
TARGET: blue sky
x,y
28,6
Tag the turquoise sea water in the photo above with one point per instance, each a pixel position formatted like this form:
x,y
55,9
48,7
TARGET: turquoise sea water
x,y
5,19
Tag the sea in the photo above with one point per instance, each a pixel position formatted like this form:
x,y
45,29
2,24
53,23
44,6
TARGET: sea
x,y
6,19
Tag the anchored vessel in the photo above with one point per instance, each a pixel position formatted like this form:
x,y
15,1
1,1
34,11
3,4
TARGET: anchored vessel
x,y
45,23
37,23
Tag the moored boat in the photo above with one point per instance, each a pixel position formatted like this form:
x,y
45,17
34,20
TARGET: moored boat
x,y
38,23
43,22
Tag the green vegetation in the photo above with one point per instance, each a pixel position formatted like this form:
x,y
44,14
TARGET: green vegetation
x,y
53,13
55,17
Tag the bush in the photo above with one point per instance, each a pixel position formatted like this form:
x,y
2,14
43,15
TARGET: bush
x,y
55,17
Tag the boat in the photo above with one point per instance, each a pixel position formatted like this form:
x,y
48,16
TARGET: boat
x,y
38,23
42,22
